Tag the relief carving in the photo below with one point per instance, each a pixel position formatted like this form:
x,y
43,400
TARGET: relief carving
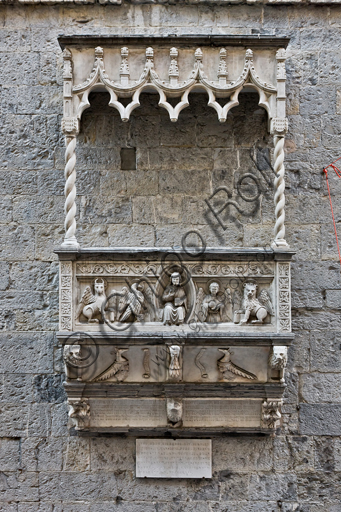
x,y
225,366
199,364
278,360
119,369
215,306
90,304
271,414
146,363
252,305
79,413
131,304
175,301
174,412
175,363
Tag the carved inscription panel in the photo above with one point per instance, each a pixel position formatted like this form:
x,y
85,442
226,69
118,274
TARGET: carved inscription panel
x,y
170,458
151,412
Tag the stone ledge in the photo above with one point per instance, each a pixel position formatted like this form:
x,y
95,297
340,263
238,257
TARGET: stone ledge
x,y
175,2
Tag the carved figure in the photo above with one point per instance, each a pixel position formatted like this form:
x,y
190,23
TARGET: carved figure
x,y
199,364
278,360
79,413
118,369
175,301
130,307
175,369
91,305
225,365
211,308
252,305
174,412
146,363
271,414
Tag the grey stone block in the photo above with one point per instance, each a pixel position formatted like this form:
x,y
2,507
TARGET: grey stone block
x,y
77,455
321,387
112,453
320,419
17,242
243,454
325,351
333,299
293,453
9,455
35,351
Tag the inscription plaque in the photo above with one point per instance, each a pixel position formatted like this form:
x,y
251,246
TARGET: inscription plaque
x,y
221,413
168,458
128,412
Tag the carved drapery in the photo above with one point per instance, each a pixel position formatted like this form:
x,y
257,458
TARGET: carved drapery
x,y
76,100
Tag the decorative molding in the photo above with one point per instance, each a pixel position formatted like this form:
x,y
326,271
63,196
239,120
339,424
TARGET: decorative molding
x,y
65,295
149,77
181,41
196,270
284,297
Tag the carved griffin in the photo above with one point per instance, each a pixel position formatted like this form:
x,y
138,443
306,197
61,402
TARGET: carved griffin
x,y
259,306
90,304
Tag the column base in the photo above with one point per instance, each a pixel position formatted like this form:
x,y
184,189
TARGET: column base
x,y
280,243
70,243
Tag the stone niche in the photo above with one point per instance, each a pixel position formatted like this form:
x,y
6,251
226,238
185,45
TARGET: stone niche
x,y
160,341
174,342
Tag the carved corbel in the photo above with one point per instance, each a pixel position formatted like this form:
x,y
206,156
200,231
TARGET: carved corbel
x,y
271,414
175,363
278,360
174,412
79,413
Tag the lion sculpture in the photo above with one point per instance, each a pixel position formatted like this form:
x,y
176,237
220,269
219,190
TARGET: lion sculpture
x,y
259,306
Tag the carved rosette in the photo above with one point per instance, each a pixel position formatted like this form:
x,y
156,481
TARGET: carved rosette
x,y
79,413
65,299
271,413
284,298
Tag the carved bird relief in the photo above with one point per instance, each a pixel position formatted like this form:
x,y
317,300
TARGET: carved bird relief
x,y
131,303
118,369
225,365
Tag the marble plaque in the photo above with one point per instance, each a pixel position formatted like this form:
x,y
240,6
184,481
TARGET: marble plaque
x,y
169,458
128,412
221,413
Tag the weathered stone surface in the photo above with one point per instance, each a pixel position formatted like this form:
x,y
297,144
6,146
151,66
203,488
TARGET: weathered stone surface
x,y
320,419
179,165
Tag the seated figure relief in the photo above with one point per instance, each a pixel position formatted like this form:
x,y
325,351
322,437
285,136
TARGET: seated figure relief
x,y
175,300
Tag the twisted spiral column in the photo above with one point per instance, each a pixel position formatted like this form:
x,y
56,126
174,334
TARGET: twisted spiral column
x,y
279,198
70,193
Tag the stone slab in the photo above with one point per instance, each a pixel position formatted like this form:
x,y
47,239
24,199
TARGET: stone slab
x,y
222,413
128,412
197,413
169,458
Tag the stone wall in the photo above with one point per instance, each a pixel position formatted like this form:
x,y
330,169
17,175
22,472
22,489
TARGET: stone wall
x,y
179,165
